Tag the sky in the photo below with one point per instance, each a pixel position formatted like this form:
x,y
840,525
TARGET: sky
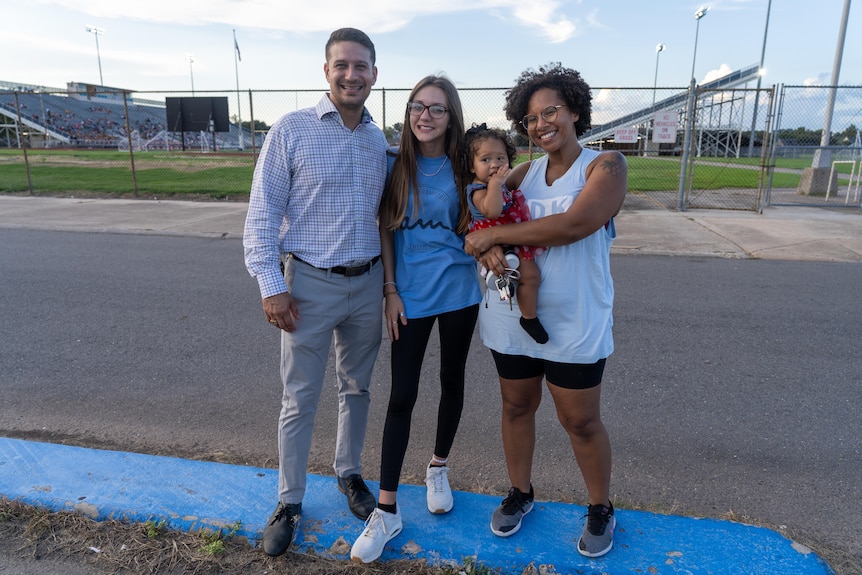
x,y
145,46
476,43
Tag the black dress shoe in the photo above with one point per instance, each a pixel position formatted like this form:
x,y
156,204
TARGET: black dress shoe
x,y
359,497
281,528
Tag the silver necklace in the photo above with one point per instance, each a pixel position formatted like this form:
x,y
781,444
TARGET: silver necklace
x,y
443,163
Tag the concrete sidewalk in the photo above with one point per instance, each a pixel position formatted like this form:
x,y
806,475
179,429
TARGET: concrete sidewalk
x,y
784,233
192,495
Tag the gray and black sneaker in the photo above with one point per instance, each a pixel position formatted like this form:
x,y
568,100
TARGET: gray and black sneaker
x,y
506,519
598,536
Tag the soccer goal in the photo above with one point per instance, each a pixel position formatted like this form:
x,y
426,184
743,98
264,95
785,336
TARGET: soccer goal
x,y
850,188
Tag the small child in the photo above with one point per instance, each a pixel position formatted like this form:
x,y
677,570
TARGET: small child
x,y
488,155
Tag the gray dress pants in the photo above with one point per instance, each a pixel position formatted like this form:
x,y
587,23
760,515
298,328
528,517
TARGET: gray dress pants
x,y
350,311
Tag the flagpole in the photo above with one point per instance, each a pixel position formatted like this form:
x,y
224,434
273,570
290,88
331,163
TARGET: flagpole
x,y
236,58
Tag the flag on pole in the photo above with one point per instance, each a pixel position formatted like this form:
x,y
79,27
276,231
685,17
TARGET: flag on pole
x,y
238,103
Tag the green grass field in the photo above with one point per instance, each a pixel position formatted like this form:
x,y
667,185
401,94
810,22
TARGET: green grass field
x,y
228,175
157,173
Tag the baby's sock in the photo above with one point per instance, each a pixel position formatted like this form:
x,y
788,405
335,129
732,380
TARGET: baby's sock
x,y
535,329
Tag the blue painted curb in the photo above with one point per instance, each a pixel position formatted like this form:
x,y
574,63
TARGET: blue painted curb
x,y
193,495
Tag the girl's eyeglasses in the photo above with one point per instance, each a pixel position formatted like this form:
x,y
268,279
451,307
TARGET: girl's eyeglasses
x,y
531,120
436,110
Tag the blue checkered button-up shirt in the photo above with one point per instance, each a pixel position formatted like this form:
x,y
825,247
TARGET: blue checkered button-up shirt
x,y
315,192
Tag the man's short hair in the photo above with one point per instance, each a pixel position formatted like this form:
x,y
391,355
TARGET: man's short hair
x,y
351,35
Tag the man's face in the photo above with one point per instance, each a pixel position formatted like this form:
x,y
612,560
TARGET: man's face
x,y
350,74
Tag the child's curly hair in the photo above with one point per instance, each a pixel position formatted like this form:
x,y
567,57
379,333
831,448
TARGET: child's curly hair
x,y
480,133
564,81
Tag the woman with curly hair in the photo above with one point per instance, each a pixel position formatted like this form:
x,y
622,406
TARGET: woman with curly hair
x,y
573,194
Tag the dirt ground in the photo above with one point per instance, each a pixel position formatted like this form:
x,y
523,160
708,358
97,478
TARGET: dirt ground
x,y
30,534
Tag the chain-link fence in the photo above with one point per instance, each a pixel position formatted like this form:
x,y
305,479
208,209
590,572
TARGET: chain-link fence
x,y
721,155
727,163
799,145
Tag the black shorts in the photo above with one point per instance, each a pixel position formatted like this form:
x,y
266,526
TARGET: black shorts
x,y
566,375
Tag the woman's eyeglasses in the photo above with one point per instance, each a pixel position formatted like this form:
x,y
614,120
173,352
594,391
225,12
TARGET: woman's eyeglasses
x,y
548,114
436,110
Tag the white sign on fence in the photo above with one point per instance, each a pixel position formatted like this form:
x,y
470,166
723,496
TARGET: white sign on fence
x,y
664,127
626,135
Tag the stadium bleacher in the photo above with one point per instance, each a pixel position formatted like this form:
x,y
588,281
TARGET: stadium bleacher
x,y
75,120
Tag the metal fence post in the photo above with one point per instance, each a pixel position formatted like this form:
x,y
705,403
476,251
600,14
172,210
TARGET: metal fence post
x,y
383,107
252,127
686,144
767,162
129,137
23,144
778,108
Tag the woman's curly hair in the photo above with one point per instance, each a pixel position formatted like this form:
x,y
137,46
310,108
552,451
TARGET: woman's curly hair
x,y
564,81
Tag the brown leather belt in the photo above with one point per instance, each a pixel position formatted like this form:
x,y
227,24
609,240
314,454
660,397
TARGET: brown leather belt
x,y
343,270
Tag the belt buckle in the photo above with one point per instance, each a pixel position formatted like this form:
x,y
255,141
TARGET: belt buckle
x,y
356,271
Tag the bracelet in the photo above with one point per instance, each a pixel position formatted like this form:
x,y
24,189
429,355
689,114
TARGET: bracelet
x,y
385,293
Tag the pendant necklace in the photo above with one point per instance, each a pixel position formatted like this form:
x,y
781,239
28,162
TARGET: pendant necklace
x,y
445,159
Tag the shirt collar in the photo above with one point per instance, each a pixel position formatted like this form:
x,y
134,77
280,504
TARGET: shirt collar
x,y
325,106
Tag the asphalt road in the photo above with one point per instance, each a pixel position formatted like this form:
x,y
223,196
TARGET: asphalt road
x,y
734,390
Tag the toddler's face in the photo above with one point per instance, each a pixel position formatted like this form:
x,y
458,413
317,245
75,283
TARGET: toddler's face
x,y
489,156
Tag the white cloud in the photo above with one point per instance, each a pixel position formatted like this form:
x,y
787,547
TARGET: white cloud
x,y
594,22
546,17
373,16
722,71
604,95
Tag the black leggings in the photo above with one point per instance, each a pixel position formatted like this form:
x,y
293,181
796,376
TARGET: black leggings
x,y
455,330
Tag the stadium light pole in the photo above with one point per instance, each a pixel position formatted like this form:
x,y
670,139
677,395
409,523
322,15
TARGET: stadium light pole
x,y
97,32
760,72
689,120
823,156
697,16
191,60
658,50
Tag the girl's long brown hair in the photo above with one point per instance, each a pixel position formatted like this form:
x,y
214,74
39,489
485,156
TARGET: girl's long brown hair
x,y
393,208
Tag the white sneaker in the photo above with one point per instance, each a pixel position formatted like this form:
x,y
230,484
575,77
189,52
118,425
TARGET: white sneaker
x,y
439,495
380,528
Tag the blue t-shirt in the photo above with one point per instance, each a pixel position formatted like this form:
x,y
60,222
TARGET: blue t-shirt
x,y
433,273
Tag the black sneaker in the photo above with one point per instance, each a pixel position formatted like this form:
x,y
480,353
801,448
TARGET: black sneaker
x,y
359,497
281,528
598,536
506,519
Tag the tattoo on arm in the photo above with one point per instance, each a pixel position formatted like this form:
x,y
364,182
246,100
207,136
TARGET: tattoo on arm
x,y
613,166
